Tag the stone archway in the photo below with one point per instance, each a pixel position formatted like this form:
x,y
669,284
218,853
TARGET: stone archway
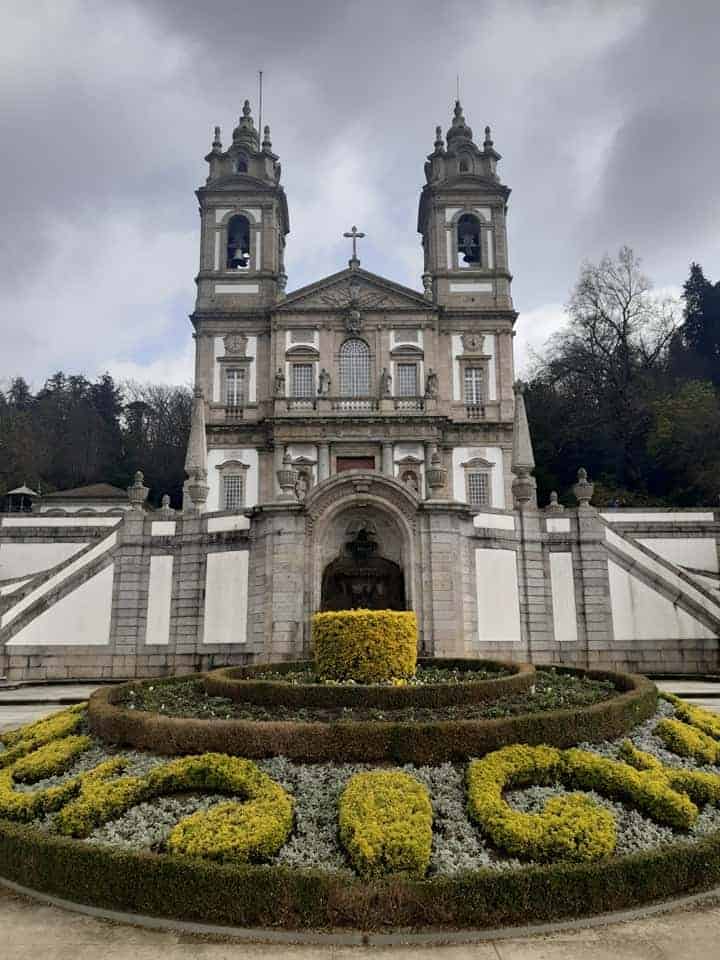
x,y
360,578
338,509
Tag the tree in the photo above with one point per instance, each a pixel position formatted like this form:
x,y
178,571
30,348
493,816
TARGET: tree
x,y
683,442
589,398
695,351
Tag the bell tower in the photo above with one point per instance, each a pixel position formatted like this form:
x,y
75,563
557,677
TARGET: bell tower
x,y
244,222
461,218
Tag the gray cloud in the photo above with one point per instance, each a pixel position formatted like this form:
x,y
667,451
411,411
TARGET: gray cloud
x,y
604,113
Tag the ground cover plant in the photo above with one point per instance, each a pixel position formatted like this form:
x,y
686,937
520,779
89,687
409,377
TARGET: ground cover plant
x,y
553,690
584,828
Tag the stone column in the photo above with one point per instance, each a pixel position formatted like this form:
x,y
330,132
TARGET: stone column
x,y
429,446
323,461
387,459
278,455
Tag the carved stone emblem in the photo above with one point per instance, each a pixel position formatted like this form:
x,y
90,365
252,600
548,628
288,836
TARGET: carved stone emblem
x,y
473,342
235,344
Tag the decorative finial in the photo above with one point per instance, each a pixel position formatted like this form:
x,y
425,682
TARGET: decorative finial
x,y
583,490
487,143
459,129
246,109
217,144
267,143
439,142
554,506
137,491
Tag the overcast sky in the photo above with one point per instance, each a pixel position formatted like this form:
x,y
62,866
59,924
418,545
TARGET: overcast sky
x,y
606,115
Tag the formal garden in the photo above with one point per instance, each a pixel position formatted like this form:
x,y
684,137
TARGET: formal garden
x,y
366,790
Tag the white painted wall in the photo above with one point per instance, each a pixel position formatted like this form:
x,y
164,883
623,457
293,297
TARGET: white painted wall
x,y
630,516
21,559
247,455
488,350
159,597
226,589
498,605
73,506
640,613
494,521
562,582
558,525
497,481
698,552
35,520
219,351
82,618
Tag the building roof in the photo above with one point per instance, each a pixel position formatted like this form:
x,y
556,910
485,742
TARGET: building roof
x,y
22,491
93,491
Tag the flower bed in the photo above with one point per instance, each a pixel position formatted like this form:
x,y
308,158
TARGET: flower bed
x,y
646,825
372,741
242,685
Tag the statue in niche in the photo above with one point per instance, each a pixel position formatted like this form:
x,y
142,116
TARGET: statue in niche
x,y
279,387
302,487
385,383
410,480
324,383
431,385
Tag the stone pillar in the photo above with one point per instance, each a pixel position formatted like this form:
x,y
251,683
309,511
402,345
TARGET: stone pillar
x,y
323,461
429,446
387,459
278,454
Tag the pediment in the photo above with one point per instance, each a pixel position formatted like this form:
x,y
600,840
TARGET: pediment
x,y
369,291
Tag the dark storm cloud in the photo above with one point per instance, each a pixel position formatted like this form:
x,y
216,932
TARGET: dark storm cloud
x,y
604,113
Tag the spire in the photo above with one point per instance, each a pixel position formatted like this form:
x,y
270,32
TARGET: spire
x,y
245,134
439,142
487,142
267,142
523,460
459,129
196,457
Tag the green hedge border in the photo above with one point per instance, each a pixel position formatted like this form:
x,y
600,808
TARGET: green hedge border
x,y
188,889
372,741
239,684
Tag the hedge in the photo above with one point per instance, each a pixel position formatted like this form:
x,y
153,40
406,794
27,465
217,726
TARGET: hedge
x,y
373,741
367,646
180,887
240,684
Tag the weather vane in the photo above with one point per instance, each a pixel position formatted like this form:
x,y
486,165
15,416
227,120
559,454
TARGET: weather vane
x,y
354,235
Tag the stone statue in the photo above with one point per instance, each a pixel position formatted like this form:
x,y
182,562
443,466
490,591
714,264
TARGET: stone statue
x,y
427,285
324,382
385,383
302,486
431,385
279,388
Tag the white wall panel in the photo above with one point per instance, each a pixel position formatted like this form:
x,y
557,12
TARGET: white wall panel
x,y
21,559
226,589
498,605
698,552
159,598
563,597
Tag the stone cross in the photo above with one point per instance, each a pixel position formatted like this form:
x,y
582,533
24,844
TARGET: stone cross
x,y
354,235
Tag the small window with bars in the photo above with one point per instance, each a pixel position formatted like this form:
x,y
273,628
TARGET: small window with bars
x,y
233,491
235,382
302,336
407,380
302,380
478,488
474,384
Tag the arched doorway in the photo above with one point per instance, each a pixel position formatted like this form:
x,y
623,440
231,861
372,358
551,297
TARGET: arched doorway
x,y
360,579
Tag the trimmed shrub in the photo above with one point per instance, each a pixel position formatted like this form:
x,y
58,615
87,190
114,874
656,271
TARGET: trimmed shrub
x,y
241,685
704,720
240,831
569,828
367,646
688,741
25,739
51,758
369,741
385,822
57,757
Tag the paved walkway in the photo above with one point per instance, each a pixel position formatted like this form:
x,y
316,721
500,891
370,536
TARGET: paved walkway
x,y
31,930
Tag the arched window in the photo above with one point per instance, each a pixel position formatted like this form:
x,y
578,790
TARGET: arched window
x,y
238,243
355,369
464,166
241,165
468,240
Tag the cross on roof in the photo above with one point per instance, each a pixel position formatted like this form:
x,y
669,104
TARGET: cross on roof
x,y
354,235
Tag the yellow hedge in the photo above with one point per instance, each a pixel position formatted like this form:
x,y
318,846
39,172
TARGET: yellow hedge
x,y
385,821
367,646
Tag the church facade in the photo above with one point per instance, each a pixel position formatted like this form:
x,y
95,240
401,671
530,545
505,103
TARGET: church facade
x,y
356,443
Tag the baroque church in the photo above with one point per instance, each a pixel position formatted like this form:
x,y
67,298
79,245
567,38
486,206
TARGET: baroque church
x,y
356,443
